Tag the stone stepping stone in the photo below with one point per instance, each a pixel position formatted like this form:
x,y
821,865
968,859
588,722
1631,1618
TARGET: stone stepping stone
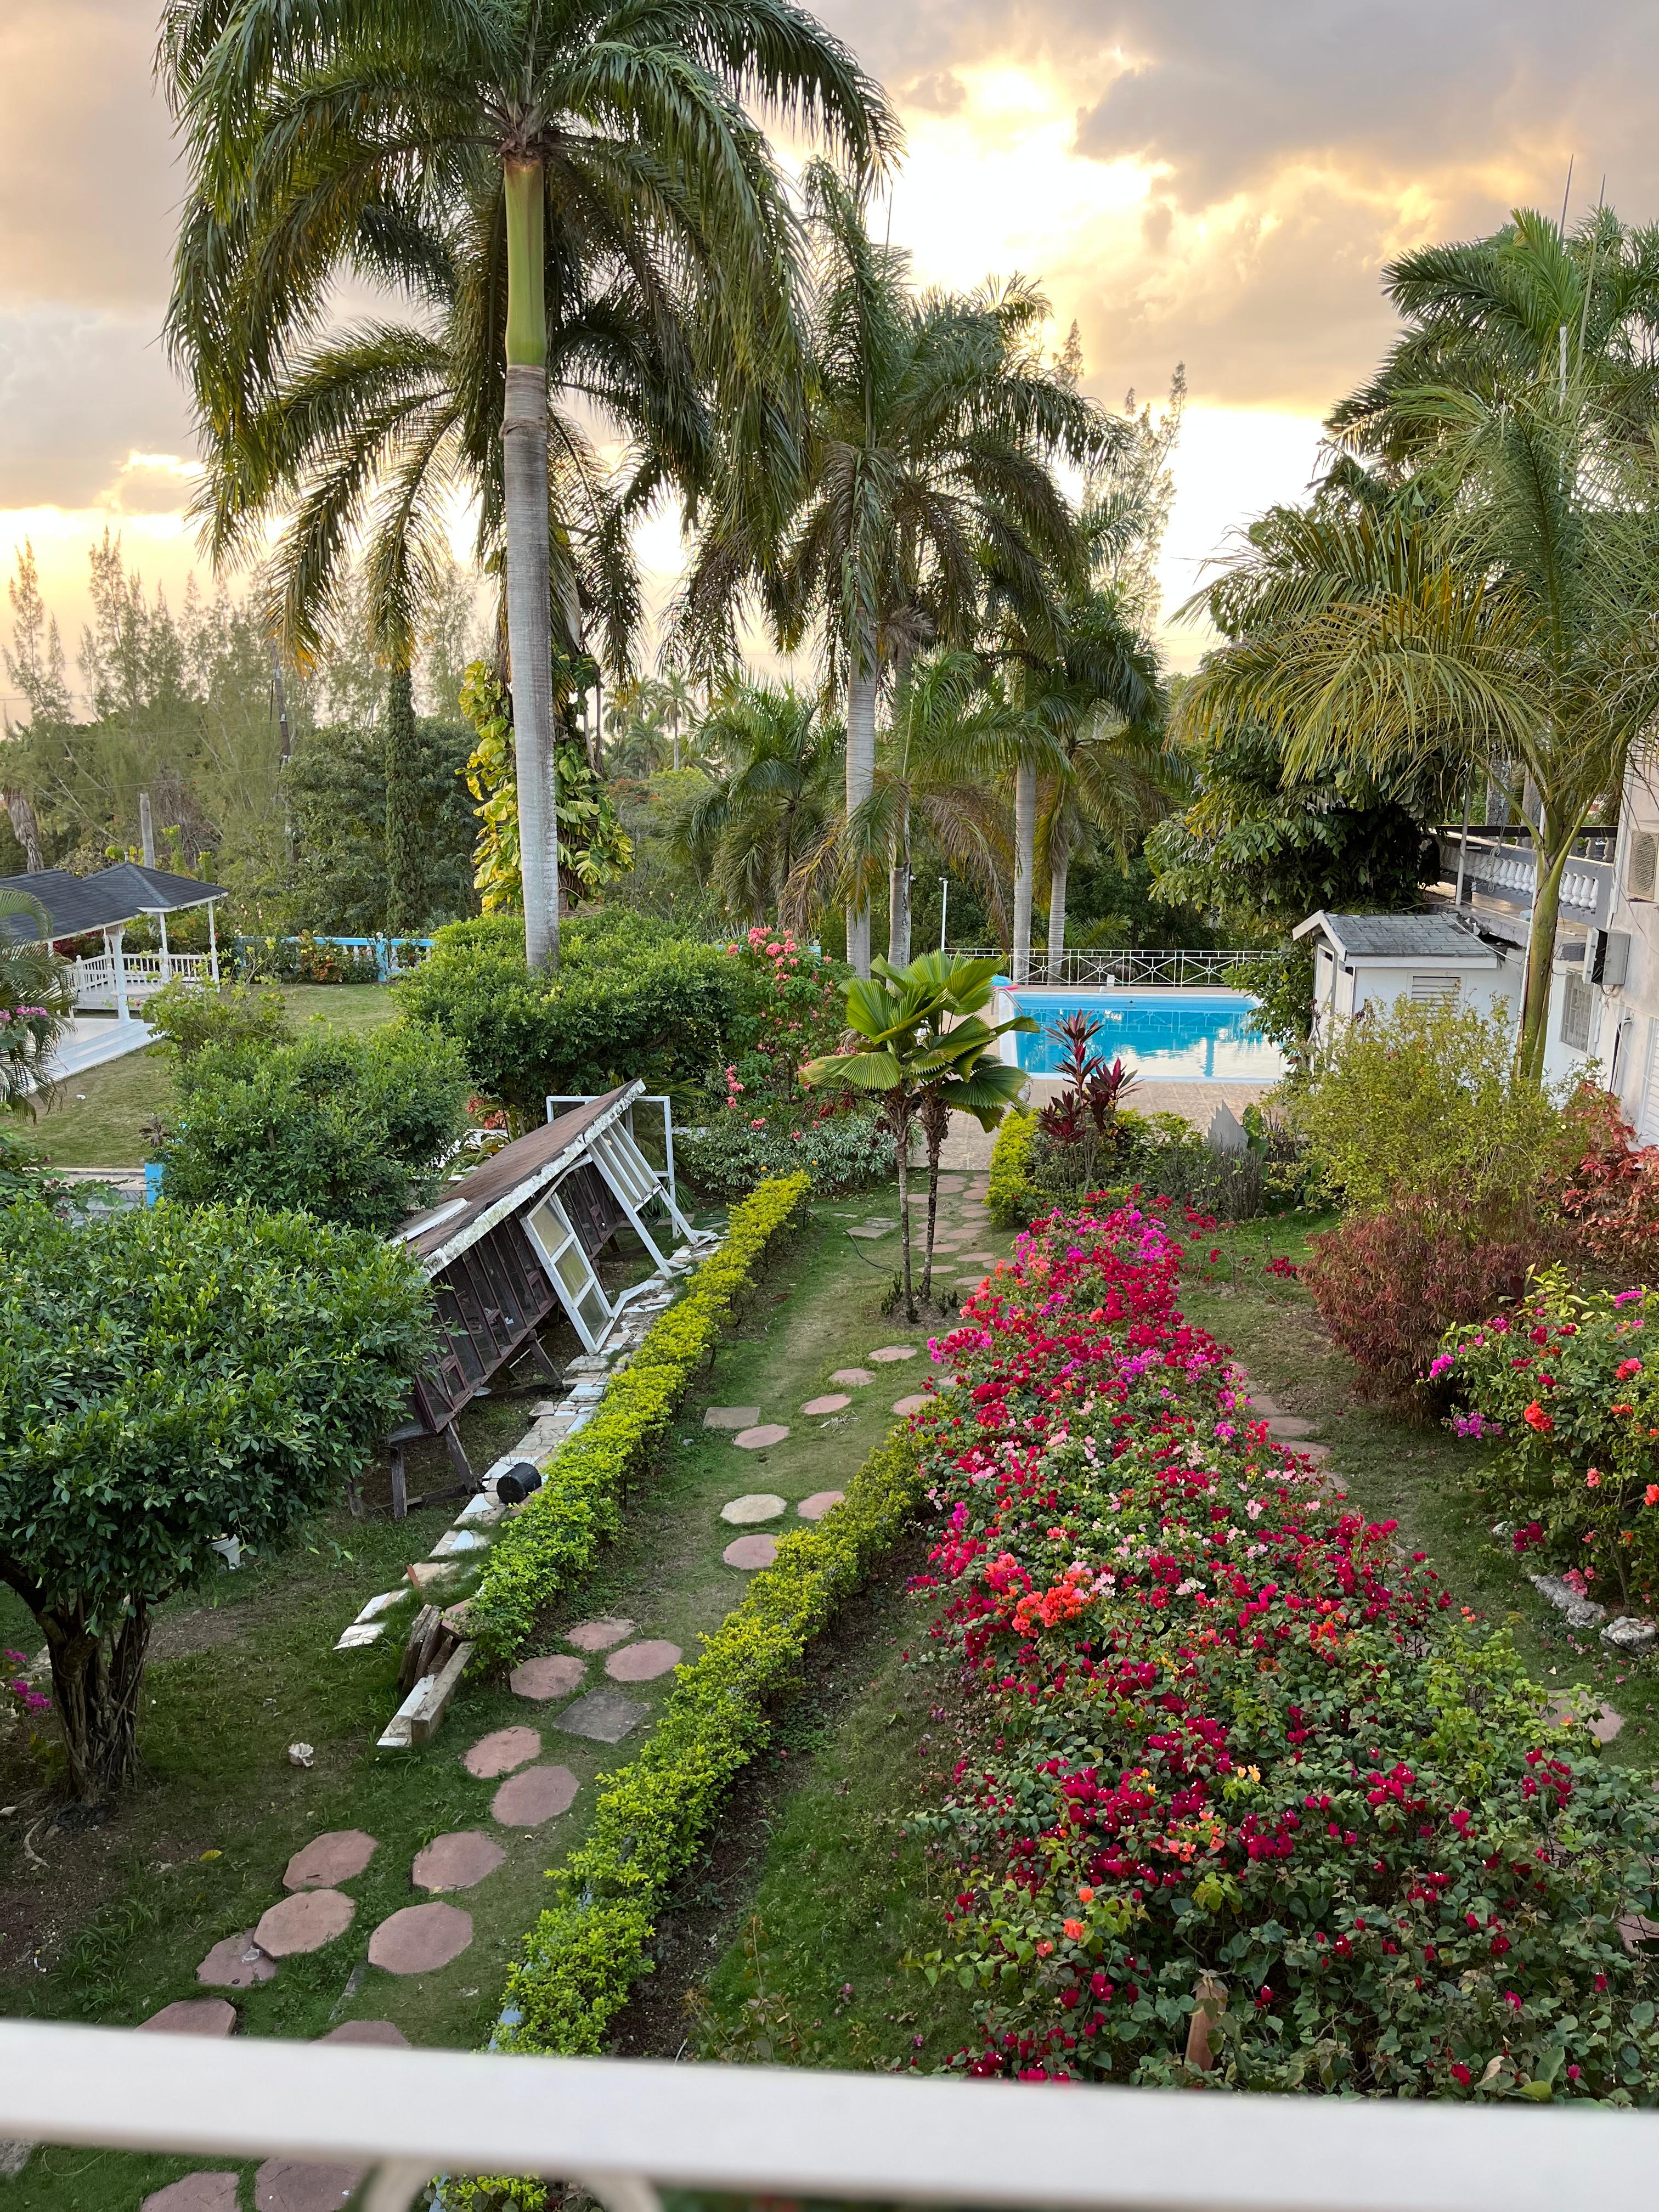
x,y
644,1662
918,1403
836,1402
460,1861
237,1963
979,1259
889,1352
539,1794
1286,1428
769,1433
1604,1724
420,1939
754,1505
731,1416
820,1502
367,2030
600,1635
328,1860
192,2017
751,1551
197,2192
305,1922
555,1676
290,2185
501,1752
605,1715
870,1234
854,1375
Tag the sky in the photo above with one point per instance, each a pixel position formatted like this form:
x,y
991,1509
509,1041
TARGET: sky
x,y
1214,182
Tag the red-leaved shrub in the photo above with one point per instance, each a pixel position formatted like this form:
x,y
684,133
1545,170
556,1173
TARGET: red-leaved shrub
x,y
1608,1189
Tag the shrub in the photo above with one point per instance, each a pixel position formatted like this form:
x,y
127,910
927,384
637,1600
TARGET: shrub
x,y
234,1016
1566,1381
1165,1157
1607,1187
1010,1193
166,1378
306,959
355,1131
1233,1754
1425,1102
629,999
553,1535
793,999
1388,1285
840,1152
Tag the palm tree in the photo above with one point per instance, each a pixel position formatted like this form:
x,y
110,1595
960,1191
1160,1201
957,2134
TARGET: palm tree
x,y
769,801
1507,620
934,429
578,194
36,999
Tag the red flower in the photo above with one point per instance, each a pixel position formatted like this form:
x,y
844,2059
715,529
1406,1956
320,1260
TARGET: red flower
x,y
1461,2075
1626,1368
1536,1418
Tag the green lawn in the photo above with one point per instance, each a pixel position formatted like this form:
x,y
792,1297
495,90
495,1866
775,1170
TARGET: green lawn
x,y
97,1120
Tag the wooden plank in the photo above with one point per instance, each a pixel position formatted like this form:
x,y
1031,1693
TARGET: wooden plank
x,y
425,1713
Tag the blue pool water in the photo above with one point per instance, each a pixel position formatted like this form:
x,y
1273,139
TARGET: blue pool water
x,y
1166,1036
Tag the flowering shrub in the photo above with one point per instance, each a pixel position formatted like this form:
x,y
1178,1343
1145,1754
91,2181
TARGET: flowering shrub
x,y
1564,1380
792,998
1609,1190
840,1148
26,1702
1388,1285
1238,1755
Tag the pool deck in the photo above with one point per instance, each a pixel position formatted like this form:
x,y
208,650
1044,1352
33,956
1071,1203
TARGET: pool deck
x,y
968,1145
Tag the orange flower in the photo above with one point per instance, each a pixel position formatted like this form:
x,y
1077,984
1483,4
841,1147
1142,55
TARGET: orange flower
x,y
1075,1930
1086,1896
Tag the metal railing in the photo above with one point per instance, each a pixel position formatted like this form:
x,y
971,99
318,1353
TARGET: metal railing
x,y
619,2127
1117,969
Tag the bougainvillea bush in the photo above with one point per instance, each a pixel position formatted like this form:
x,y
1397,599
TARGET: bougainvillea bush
x,y
1569,1382
1231,1743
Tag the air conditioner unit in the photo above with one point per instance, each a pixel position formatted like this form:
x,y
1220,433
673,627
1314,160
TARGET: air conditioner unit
x,y
1642,870
1606,958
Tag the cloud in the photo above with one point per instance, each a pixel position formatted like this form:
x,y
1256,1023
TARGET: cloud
x,y
80,392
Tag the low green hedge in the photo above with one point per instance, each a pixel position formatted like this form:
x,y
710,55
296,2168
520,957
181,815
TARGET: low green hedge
x,y
1011,1195
586,1952
552,1537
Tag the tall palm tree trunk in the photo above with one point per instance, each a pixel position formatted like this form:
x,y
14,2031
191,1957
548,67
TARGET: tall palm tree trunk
x,y
529,618
860,781
1025,865
899,895
1060,869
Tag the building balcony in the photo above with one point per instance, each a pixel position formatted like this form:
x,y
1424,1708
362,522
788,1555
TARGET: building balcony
x,y
1492,873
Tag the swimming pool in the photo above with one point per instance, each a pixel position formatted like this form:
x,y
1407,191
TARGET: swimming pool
x,y
1166,1036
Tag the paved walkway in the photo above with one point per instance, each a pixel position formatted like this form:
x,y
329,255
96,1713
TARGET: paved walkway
x,y
88,1042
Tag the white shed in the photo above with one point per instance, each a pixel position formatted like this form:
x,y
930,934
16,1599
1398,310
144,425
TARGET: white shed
x,y
1363,960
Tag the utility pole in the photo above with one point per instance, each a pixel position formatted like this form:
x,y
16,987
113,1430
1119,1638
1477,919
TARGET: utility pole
x,y
944,908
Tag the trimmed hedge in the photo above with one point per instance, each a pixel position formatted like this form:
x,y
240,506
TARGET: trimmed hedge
x,y
552,1536
586,1952
1010,1193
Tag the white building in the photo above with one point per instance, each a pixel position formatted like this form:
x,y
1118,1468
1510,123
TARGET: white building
x,y
1374,960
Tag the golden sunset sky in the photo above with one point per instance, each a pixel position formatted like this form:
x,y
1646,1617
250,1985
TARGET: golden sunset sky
x,y
1210,181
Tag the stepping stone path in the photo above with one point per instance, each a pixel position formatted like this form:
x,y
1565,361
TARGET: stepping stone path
x,y
197,2192
600,1635
836,1402
731,1416
984,1258
500,1753
555,1676
460,1861
755,1505
1286,1428
237,1963
815,1507
769,1433
644,1662
367,2030
192,2017
918,1404
605,1715
854,1375
305,1922
288,2185
889,1352
420,1939
539,1794
751,1551
339,1856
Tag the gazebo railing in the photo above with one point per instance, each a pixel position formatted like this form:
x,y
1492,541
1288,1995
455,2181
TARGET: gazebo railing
x,y
96,982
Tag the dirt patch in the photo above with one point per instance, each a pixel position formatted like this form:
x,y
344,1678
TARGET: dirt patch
x,y
206,1627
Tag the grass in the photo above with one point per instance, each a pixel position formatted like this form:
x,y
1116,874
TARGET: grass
x,y
111,1928
98,1120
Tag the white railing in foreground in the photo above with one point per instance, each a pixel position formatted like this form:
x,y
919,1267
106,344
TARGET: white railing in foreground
x,y
618,2126
1117,969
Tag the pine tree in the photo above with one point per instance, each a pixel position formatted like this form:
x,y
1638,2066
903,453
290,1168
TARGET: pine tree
x,y
404,885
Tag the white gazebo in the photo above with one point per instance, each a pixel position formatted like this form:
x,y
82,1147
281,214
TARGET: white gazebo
x,y
115,981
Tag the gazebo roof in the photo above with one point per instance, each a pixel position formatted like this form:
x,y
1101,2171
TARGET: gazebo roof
x,y
114,896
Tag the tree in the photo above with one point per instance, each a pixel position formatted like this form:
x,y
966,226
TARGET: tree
x,y
934,429
404,871
577,194
167,1378
922,1034
36,999
767,803
337,789
593,848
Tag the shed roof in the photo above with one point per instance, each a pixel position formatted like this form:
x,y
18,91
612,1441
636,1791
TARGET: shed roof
x,y
1402,940
113,895
509,1179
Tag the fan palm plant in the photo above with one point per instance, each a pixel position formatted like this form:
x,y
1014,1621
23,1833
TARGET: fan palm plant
x,y
934,426
36,999
770,798
574,195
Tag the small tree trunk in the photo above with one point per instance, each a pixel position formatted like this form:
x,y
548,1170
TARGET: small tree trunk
x,y
860,781
1025,865
25,827
900,1109
935,1117
403,904
1062,870
1540,954
95,1688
